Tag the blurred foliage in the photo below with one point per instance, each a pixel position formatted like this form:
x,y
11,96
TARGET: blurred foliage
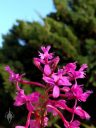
x,y
88,126
70,30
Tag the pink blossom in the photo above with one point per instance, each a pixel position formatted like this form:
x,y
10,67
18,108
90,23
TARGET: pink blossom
x,y
29,100
46,121
56,91
60,79
83,67
20,127
74,124
57,83
70,69
37,63
47,70
50,110
61,104
78,92
65,89
57,80
36,123
13,76
47,60
54,62
45,54
80,112
20,99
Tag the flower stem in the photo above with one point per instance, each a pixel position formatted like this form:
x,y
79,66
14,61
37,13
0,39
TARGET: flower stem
x,y
28,120
60,114
33,83
73,110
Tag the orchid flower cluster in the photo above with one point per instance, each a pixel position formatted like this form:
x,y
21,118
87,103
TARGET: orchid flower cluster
x,y
60,86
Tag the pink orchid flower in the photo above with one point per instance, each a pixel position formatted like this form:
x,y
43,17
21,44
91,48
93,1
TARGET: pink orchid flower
x,y
45,54
36,123
74,124
58,90
56,81
80,112
70,69
29,100
13,76
78,93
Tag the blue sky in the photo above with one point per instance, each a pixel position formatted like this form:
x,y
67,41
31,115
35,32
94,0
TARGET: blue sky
x,y
10,10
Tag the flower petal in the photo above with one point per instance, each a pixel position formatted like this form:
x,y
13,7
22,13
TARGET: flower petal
x,y
80,112
19,127
47,70
75,124
34,123
56,91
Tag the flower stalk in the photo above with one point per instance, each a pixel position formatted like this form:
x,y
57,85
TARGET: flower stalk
x,y
60,86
